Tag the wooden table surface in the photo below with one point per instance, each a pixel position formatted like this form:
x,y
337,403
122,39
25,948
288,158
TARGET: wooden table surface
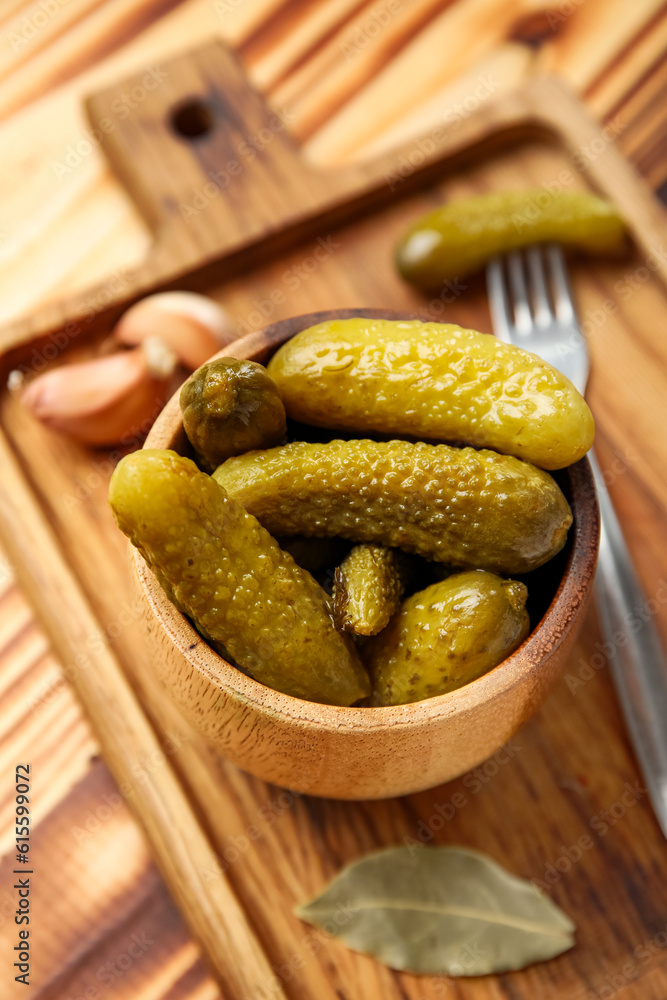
x,y
104,923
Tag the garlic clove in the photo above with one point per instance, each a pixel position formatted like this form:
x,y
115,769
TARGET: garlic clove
x,y
104,401
15,380
161,361
193,326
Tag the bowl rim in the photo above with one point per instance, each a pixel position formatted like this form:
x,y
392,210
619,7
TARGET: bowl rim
x,y
563,609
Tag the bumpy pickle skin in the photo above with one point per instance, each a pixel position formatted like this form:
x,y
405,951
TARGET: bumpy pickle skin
x,y
368,588
435,381
459,237
458,506
230,406
446,636
232,579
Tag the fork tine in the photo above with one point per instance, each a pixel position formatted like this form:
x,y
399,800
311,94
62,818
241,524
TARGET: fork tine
x,y
522,316
501,317
542,312
561,286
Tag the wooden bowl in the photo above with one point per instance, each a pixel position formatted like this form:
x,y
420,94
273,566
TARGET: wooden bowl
x,y
362,753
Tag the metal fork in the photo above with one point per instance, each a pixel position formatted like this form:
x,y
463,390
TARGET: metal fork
x,y
532,307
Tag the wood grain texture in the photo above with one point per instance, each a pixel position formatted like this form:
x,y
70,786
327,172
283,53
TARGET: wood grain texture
x,y
616,885
138,757
183,136
256,828
83,207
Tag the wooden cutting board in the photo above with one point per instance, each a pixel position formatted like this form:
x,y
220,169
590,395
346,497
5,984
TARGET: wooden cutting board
x,y
561,804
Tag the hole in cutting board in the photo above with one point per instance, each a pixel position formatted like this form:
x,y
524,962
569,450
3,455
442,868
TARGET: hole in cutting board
x,y
192,119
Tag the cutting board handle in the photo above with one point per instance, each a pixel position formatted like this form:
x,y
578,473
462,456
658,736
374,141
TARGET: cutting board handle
x,y
220,181
203,156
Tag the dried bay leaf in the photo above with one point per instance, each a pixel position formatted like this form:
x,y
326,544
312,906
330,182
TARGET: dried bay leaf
x,y
437,910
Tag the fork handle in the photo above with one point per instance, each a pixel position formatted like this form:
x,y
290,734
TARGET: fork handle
x,y
634,650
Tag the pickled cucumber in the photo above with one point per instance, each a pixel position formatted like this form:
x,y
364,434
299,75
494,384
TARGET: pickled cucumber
x,y
368,588
446,636
436,381
460,237
231,406
231,577
453,505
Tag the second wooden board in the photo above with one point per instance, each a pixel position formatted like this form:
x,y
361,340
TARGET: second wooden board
x,y
563,802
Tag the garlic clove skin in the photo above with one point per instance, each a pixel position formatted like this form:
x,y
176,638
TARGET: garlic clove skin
x,y
193,326
161,361
114,398
105,401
